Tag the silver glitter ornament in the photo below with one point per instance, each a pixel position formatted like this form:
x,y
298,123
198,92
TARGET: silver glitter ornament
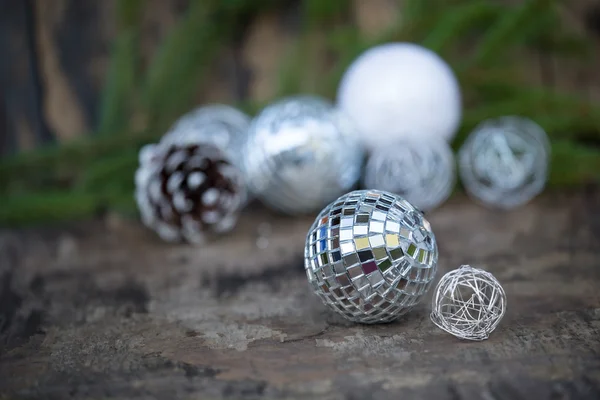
x,y
422,171
220,125
504,162
468,303
186,190
370,256
301,153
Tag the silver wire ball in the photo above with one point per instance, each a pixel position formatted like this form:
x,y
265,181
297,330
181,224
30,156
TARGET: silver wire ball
x,y
301,153
422,171
221,125
370,256
468,303
504,162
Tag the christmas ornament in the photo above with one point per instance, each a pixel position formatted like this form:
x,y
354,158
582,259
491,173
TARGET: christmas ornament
x,y
468,303
504,162
370,256
421,171
223,126
301,153
184,190
400,90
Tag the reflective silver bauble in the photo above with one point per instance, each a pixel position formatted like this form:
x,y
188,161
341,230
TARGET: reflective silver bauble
x,y
370,256
301,153
220,125
421,171
504,162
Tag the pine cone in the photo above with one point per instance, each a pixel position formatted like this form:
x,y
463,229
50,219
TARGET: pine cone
x,y
185,190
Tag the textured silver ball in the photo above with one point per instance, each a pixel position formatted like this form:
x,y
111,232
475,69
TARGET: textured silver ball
x,y
468,303
370,256
504,162
421,171
185,191
301,153
220,125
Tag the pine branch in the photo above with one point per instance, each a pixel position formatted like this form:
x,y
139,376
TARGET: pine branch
x,y
303,69
512,25
319,12
121,82
63,165
573,165
563,118
44,207
178,67
59,206
129,13
459,21
120,85
114,172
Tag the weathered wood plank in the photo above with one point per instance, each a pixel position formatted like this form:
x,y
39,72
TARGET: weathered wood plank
x,y
21,123
73,42
106,310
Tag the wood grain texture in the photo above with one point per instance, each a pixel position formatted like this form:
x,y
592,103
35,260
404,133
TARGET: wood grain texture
x,y
104,309
375,17
63,108
21,122
264,44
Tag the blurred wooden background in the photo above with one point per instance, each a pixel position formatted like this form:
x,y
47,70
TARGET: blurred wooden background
x,y
55,57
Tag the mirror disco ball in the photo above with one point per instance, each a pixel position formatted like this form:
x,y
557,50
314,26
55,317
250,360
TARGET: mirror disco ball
x,y
370,256
504,162
301,153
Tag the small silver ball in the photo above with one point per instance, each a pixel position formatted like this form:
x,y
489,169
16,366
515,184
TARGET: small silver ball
x,y
421,171
301,153
217,124
504,162
370,256
468,303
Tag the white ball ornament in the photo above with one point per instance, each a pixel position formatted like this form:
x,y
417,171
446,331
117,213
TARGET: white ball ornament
x,y
301,153
400,90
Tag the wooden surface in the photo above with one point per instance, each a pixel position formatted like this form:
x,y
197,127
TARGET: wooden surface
x,y
105,310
